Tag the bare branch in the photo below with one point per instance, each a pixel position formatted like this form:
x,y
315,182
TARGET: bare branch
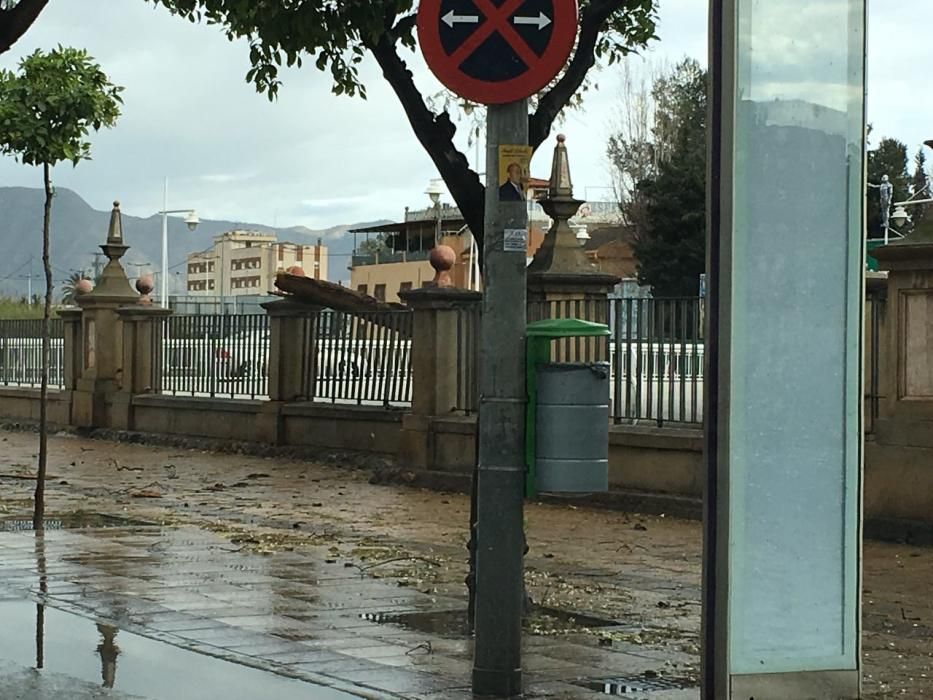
x,y
435,132
404,25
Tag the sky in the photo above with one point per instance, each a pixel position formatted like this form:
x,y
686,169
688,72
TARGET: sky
x,y
317,160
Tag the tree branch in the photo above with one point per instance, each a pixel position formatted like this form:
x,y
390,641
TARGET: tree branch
x,y
592,23
435,132
14,22
405,25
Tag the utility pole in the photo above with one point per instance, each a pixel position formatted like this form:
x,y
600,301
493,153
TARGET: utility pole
x,y
471,65
97,266
500,542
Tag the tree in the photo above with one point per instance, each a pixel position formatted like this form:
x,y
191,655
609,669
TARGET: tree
x,y
374,246
47,110
16,16
632,154
70,287
920,187
337,35
890,158
667,203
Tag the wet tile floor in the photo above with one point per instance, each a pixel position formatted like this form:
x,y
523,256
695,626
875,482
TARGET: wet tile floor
x,y
168,592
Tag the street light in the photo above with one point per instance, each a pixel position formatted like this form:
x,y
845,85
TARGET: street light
x,y
191,220
434,191
900,217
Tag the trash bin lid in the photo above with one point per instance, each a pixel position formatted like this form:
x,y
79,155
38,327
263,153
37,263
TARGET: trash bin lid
x,y
566,328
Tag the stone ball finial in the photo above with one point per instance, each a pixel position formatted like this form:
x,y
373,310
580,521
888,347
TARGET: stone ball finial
x,y
145,285
297,271
561,138
116,204
442,259
83,287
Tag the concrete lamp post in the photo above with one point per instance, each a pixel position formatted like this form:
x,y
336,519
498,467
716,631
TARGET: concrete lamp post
x,y
192,221
434,191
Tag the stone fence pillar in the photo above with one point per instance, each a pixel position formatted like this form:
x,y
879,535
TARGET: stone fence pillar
x,y
292,357
562,281
442,368
907,365
292,363
142,356
101,369
899,462
72,347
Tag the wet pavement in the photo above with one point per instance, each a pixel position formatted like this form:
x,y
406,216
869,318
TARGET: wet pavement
x,y
308,571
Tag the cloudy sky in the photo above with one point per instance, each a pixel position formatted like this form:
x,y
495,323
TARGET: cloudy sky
x,y
317,160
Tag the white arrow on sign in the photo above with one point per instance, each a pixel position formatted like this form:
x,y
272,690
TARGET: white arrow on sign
x,y
541,20
450,19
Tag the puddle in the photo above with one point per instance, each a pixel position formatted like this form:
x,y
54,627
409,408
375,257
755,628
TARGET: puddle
x,y
72,521
632,685
80,649
453,623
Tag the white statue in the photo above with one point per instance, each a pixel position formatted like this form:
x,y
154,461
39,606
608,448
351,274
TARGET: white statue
x,y
887,196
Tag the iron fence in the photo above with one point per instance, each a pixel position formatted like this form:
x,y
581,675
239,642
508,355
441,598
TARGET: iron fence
x,y
469,322
217,356
875,312
658,355
21,353
359,358
575,349
655,351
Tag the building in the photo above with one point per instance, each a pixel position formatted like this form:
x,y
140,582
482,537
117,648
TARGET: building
x,y
393,257
244,263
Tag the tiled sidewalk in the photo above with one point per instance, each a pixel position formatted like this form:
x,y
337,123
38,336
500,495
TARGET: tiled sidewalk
x,y
300,614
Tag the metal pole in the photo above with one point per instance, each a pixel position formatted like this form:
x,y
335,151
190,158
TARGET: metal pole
x,y
497,667
163,294
714,670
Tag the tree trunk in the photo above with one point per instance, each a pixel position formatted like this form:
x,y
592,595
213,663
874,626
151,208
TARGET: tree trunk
x,y
38,516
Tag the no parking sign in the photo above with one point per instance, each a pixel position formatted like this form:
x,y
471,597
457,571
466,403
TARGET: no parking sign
x,y
497,51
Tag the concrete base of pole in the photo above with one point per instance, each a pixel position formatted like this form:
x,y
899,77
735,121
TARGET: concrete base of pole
x,y
497,683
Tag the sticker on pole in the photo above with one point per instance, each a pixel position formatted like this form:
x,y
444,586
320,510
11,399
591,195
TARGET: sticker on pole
x,y
497,51
515,240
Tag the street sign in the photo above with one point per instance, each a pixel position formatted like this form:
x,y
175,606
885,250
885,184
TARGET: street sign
x,y
497,51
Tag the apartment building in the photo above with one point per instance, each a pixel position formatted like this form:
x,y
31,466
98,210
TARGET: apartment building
x,y
244,263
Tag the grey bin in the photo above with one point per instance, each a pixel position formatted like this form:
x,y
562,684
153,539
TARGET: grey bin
x,y
572,433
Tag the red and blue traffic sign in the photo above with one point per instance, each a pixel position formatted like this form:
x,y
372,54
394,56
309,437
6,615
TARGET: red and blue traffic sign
x,y
497,51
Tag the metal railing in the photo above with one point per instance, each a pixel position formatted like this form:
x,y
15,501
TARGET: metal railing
x,y
655,351
658,356
21,353
469,323
875,310
218,356
575,349
360,358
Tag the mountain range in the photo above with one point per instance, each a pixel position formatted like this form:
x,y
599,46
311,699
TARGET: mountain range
x,y
78,230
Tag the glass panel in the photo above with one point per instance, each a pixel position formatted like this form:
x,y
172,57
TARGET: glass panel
x,y
794,426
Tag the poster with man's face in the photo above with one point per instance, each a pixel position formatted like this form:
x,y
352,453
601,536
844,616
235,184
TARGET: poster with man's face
x,y
514,166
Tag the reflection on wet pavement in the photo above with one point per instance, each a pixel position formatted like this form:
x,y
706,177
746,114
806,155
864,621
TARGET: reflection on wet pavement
x,y
77,648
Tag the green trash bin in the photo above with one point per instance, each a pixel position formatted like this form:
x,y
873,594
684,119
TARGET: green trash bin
x,y
569,454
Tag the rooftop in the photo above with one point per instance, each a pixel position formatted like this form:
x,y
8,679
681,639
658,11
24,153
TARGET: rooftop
x,y
245,235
